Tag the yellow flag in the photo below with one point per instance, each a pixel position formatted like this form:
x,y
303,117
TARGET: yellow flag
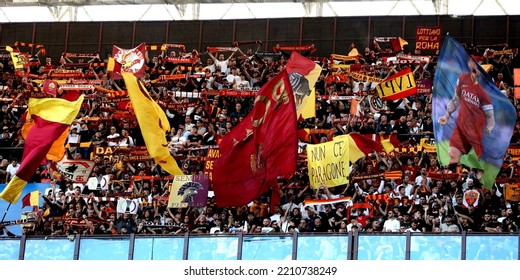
x,y
19,59
387,145
153,123
329,162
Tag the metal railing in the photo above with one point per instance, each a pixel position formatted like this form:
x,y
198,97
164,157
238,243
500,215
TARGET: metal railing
x,y
318,246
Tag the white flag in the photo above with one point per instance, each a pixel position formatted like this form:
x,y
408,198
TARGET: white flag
x,y
127,206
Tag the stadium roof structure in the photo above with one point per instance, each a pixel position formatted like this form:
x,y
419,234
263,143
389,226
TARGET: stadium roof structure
x,y
157,10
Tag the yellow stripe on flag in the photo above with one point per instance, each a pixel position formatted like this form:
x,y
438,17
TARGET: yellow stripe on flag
x,y
354,152
153,122
387,145
60,112
353,52
13,193
34,198
111,64
487,67
402,42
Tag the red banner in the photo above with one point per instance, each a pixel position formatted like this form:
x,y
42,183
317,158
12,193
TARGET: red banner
x,y
213,154
428,38
424,87
127,60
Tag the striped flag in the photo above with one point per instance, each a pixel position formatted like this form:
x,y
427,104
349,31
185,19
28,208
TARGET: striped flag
x,y
400,85
308,202
31,199
360,146
394,175
51,117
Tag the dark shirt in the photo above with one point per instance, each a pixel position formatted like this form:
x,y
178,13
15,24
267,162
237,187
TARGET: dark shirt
x,y
194,138
129,224
385,128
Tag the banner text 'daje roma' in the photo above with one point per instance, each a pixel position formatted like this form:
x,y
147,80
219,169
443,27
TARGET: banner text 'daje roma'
x,y
328,163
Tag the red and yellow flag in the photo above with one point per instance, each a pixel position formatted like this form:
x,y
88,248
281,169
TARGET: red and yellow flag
x,y
360,145
51,117
153,123
389,142
398,44
329,162
397,86
259,149
57,151
303,74
31,199
20,60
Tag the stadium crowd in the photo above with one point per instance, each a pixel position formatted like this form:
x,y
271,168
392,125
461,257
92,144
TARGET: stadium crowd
x,y
414,201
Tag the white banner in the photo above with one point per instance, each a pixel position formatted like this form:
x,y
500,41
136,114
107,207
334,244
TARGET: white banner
x,y
76,170
98,183
127,206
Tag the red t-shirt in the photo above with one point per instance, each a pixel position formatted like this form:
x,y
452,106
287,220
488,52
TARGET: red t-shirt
x,y
362,220
474,100
413,171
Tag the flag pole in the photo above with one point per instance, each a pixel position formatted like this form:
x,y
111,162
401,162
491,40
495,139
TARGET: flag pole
x,y
5,213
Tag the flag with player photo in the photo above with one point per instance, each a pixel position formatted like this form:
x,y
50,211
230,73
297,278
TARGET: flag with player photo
x,y
473,120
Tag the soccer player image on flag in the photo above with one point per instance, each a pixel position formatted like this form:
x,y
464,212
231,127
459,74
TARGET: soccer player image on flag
x,y
475,120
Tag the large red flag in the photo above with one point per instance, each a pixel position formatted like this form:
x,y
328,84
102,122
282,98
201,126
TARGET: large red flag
x,y
51,116
261,148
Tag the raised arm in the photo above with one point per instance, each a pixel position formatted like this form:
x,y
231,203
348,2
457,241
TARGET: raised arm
x,y
212,57
452,107
490,121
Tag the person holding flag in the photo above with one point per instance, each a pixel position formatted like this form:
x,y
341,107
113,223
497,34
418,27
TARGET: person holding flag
x,y
476,115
